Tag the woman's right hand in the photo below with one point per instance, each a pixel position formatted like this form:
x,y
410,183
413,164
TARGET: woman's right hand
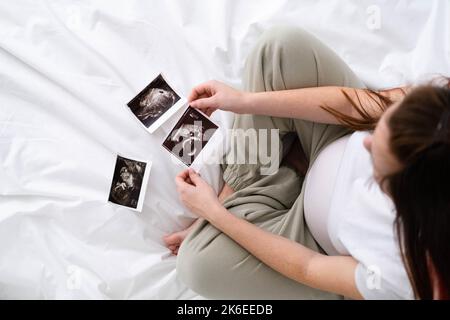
x,y
213,95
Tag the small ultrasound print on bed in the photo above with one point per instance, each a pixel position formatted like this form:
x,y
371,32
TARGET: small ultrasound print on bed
x,y
129,183
153,105
189,136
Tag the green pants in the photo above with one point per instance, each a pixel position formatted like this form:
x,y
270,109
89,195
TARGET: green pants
x,y
211,263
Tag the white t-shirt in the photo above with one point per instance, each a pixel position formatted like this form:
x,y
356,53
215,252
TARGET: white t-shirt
x,y
358,216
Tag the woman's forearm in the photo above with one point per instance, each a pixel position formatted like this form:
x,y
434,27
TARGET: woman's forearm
x,y
306,103
293,260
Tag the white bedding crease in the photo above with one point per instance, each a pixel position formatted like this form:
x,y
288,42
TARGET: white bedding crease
x,y
67,69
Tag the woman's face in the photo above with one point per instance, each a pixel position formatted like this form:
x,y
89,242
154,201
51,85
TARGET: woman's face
x,y
378,144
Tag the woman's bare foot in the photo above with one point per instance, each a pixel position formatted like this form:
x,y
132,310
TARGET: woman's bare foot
x,y
173,241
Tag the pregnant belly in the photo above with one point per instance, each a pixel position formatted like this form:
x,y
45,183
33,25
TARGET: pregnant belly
x,y
319,189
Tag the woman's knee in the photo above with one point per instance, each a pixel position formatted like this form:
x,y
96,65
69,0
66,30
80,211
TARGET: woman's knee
x,y
284,58
285,36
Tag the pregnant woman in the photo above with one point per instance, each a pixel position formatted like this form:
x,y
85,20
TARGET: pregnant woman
x,y
345,212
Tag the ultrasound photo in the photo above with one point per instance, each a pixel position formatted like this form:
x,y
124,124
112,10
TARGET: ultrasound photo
x,y
190,135
129,183
153,102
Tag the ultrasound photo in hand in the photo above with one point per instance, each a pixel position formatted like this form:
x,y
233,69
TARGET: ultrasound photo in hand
x,y
152,104
189,136
129,183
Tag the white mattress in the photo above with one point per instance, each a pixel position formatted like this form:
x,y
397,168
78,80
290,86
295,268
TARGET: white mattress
x,y
67,68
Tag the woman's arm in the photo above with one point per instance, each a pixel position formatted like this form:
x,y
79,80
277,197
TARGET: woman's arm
x,y
293,260
306,103
328,273
303,103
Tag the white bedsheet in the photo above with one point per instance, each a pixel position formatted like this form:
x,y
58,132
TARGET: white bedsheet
x,y
68,67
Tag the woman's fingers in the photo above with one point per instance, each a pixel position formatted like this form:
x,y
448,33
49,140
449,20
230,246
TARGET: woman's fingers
x,y
200,91
208,112
182,180
213,95
188,181
204,103
204,97
181,177
195,178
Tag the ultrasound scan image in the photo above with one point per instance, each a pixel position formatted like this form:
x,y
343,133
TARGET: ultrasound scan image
x,y
189,136
152,102
127,182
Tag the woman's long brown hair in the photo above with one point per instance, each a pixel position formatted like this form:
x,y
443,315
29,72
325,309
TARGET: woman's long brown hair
x,y
420,140
366,120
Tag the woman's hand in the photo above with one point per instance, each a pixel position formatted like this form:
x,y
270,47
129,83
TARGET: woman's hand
x,y
196,194
213,95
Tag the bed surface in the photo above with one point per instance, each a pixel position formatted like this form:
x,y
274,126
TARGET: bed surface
x,y
67,69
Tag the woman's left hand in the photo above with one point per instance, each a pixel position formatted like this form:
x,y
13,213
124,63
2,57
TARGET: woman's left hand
x,y
196,194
